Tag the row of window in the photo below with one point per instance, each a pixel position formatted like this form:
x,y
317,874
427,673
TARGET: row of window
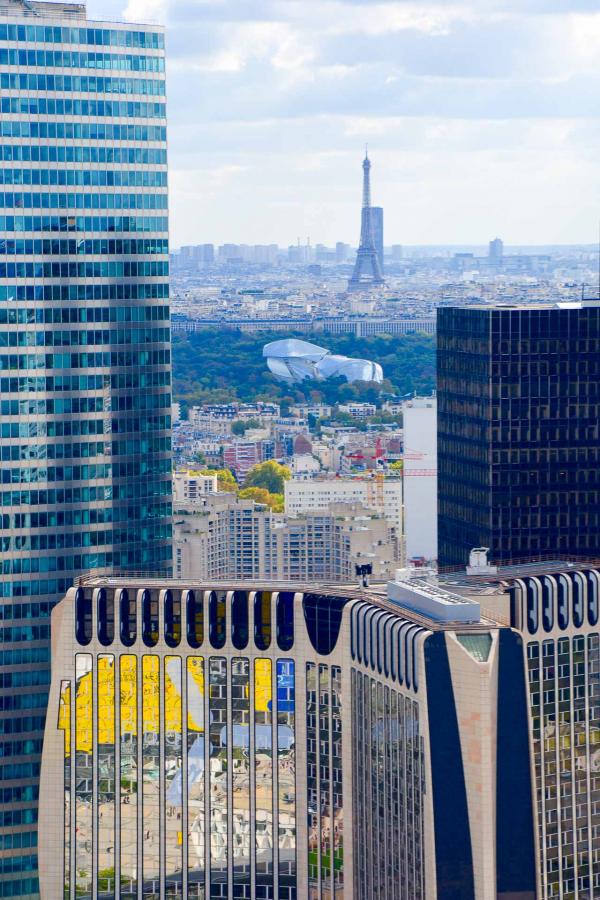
x,y
89,247
85,131
34,361
83,292
47,200
185,611
83,405
43,542
561,600
79,450
37,474
61,517
80,59
93,177
61,153
114,269
83,315
22,81
135,556
386,643
84,223
83,338
116,109
100,37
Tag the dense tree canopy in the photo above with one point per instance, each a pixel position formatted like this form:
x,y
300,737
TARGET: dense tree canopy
x,y
214,366
269,475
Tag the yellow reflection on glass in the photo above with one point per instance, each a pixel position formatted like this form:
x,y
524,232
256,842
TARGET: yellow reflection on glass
x,y
129,774
263,770
106,776
84,763
64,725
173,778
151,777
196,801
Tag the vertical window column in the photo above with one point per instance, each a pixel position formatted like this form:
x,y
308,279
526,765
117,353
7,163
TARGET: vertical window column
x,y
84,765
240,708
312,806
64,725
106,812
173,787
151,778
286,777
196,780
263,776
128,718
218,778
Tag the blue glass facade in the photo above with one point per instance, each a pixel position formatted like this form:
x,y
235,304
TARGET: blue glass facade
x,y
84,351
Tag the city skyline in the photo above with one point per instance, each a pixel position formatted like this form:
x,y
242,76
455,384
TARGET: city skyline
x,y
482,118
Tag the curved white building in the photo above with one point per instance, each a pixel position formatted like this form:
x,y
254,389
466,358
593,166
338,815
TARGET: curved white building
x,y
295,360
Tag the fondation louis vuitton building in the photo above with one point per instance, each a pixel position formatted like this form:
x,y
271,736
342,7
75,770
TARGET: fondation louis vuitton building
x,y
294,360
432,739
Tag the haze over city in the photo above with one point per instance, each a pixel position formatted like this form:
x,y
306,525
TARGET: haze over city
x,y
481,116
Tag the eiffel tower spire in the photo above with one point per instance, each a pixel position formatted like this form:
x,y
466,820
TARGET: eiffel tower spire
x,y
367,270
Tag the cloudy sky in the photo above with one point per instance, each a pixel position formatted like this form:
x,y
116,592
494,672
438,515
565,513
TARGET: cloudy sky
x,y
482,117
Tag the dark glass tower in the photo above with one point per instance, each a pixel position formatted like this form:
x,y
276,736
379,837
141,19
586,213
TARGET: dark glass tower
x,y
518,432
84,350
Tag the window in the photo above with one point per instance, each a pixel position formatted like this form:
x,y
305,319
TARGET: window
x,y
239,619
217,614
194,619
172,605
83,617
106,617
128,623
323,617
262,620
285,620
149,618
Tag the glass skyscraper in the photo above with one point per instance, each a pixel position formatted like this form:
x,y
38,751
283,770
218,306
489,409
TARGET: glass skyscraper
x,y
84,350
518,434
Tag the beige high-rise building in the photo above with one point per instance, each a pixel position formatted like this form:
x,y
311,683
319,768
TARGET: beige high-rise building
x,y
226,537
438,741
378,492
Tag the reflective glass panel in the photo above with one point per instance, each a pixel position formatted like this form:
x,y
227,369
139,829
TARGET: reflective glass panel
x,y
218,777
173,778
64,725
263,773
106,777
84,764
195,619
129,774
336,770
239,620
240,776
172,604
262,620
312,806
325,782
286,769
150,777
196,777
285,620
217,619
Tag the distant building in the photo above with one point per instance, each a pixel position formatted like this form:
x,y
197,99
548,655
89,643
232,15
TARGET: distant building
x,y
226,537
358,410
518,434
189,486
342,252
397,252
377,226
420,477
496,250
380,493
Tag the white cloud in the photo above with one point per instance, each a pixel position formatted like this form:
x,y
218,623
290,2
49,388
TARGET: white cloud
x,y
482,116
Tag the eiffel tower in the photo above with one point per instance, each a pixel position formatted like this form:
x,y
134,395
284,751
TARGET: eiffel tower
x,y
367,260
